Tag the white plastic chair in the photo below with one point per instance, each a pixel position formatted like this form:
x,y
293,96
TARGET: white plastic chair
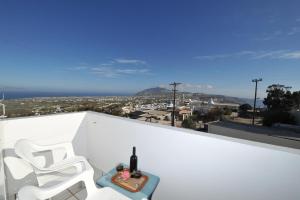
x,y
65,163
63,155
93,193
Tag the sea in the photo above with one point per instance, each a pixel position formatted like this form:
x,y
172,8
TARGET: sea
x,y
28,94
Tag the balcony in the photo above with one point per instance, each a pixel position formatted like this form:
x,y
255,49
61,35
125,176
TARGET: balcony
x,y
191,165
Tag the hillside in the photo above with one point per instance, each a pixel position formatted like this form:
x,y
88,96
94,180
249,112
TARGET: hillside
x,y
153,92
158,91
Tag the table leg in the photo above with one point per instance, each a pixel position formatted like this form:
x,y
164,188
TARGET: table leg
x,y
150,197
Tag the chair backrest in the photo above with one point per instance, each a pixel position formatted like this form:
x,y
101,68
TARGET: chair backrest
x,y
24,148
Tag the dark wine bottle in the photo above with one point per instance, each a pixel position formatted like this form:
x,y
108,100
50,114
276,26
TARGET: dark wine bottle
x,y
133,161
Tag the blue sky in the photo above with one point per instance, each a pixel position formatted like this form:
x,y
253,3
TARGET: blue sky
x,y
124,46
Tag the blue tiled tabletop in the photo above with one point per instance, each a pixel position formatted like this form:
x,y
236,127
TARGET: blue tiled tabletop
x,y
146,192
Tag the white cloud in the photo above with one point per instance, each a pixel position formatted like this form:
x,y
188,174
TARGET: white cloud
x,y
280,54
194,87
293,31
77,68
213,57
231,55
277,54
189,87
83,64
112,72
280,34
269,54
129,61
107,64
291,55
271,36
103,71
132,71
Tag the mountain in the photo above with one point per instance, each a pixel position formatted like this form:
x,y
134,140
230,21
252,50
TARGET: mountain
x,y
163,92
153,92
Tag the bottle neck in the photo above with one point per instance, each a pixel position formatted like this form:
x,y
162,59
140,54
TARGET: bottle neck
x,y
133,151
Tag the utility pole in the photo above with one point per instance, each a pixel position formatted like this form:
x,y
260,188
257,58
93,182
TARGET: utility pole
x,y
255,97
174,101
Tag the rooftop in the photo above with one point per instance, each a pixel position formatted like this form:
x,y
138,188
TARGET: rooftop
x,y
271,135
191,164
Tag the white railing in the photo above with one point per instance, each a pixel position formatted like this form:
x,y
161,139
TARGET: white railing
x,y
191,165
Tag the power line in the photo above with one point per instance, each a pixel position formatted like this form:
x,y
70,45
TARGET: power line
x,y
174,84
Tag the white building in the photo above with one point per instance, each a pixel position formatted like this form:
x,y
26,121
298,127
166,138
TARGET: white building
x,y
3,108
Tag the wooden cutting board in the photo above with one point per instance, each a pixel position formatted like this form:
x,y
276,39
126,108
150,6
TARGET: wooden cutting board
x,y
131,184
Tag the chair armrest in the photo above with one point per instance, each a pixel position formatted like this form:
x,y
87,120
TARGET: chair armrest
x,y
67,146
66,163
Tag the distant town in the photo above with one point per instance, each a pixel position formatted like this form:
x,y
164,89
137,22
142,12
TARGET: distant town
x,y
153,105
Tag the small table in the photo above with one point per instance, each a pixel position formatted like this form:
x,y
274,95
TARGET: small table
x,y
146,192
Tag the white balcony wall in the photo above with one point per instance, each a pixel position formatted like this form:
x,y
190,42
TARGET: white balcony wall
x,y
194,165
48,129
2,177
191,165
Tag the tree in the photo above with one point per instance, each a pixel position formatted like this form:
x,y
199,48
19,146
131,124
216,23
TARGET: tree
x,y
166,118
227,111
279,102
296,98
188,123
279,98
213,115
243,110
245,107
272,117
